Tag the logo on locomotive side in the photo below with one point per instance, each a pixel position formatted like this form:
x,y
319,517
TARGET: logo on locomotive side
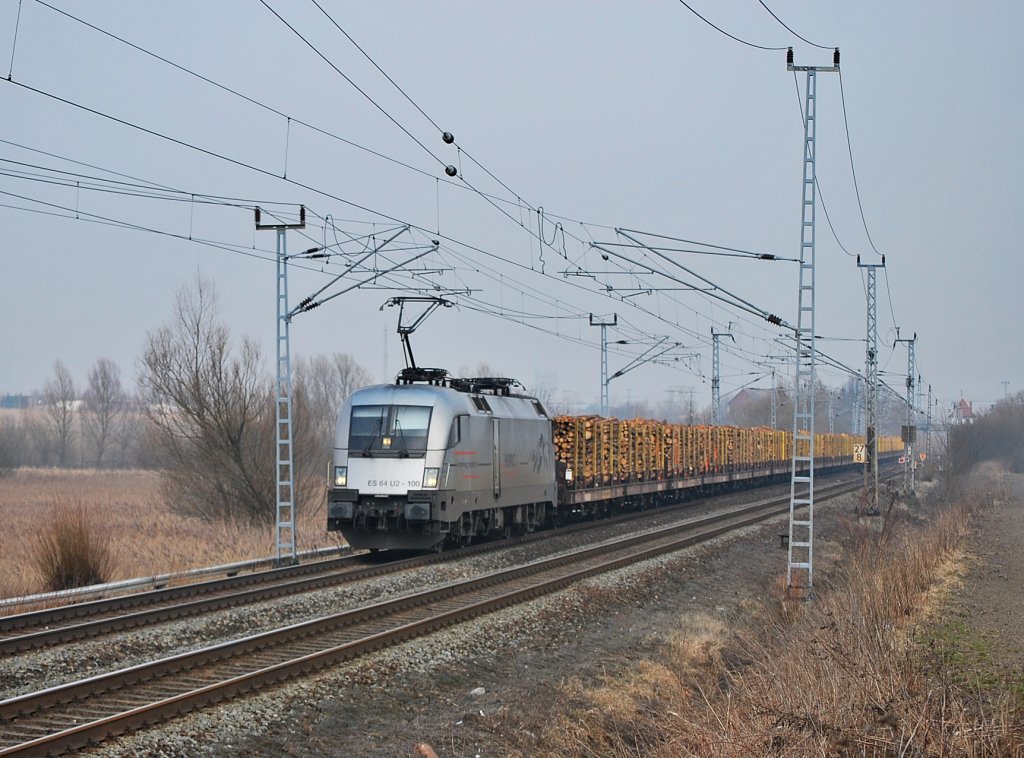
x,y
542,457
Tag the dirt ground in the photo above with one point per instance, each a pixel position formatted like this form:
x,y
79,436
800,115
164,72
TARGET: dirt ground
x,y
991,602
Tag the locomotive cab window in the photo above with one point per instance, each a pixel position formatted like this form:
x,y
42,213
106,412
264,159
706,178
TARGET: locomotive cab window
x,y
389,430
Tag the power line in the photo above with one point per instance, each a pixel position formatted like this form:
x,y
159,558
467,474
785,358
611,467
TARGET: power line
x,y
344,76
723,31
447,136
465,184
817,186
790,30
853,170
265,172
237,93
737,251
888,293
371,60
492,199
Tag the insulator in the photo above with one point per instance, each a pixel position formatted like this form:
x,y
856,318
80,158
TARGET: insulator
x,y
448,138
789,57
451,170
835,58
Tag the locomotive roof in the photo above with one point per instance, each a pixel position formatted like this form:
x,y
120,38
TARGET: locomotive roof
x,y
456,398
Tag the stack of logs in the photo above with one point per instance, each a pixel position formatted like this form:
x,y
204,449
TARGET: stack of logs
x,y
607,450
602,451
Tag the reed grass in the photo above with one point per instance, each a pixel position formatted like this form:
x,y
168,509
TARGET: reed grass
x,y
856,671
144,535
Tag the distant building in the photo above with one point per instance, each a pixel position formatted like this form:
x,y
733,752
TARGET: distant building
x,y
753,405
963,412
15,402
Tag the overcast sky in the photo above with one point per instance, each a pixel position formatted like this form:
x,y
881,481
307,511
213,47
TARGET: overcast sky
x,y
630,115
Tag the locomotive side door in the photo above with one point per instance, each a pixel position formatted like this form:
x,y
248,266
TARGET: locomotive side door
x,y
496,456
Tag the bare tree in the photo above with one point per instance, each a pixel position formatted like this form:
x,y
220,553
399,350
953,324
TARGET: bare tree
x,y
104,406
482,369
321,385
211,410
59,401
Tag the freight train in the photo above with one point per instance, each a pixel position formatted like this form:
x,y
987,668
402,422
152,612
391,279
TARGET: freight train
x,y
434,461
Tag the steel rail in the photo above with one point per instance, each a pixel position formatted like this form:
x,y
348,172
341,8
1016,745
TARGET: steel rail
x,y
48,721
67,623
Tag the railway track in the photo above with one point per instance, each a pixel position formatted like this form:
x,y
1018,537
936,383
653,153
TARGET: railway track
x,y
68,623
70,715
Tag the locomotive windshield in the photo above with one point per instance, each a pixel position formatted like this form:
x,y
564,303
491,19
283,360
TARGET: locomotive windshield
x,y
392,430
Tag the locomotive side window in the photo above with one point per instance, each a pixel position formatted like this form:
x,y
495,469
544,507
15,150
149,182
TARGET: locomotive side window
x,y
455,435
389,430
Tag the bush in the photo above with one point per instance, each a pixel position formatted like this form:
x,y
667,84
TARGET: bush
x,y
71,551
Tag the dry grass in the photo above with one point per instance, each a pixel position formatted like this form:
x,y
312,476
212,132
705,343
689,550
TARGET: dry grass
x,y
145,536
855,672
70,550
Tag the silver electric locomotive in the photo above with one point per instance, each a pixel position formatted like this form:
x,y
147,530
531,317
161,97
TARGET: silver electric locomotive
x,y
433,460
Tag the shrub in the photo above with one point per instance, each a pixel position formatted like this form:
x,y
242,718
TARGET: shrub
x,y
71,551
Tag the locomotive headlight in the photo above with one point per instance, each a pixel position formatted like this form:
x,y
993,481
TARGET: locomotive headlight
x,y
568,475
341,476
430,476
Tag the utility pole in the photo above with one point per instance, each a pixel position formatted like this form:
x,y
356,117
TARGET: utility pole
x,y
285,476
604,357
919,401
857,411
716,368
775,401
910,430
1006,384
871,391
928,421
800,563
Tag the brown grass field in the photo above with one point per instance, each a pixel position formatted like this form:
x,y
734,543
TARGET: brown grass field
x,y
145,534
867,669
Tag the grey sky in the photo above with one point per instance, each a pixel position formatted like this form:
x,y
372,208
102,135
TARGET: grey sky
x,y
634,115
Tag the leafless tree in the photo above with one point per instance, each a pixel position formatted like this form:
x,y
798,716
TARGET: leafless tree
x,y
482,369
59,401
321,385
212,413
104,406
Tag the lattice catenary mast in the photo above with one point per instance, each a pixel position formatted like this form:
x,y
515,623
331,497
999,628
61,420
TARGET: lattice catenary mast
x,y
716,375
871,391
604,358
909,431
284,458
800,565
